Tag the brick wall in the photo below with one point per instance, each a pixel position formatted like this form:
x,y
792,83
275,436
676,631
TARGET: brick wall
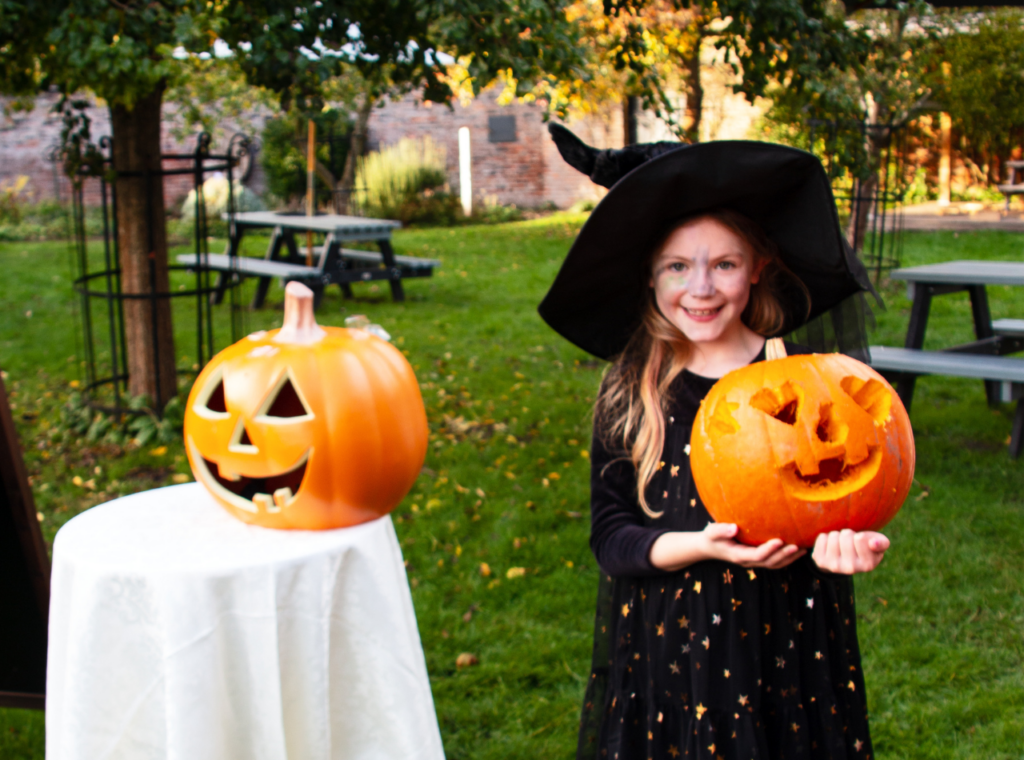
x,y
28,139
528,171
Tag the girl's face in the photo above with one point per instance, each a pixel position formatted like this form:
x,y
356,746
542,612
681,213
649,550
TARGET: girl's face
x,y
702,278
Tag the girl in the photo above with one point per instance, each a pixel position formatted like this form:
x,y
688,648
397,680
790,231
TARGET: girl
x,y
706,648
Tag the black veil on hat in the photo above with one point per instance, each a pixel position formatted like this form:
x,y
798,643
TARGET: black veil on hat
x,y
596,299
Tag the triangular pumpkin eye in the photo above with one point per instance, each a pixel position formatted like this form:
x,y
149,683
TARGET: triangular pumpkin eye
x,y
244,440
287,403
215,403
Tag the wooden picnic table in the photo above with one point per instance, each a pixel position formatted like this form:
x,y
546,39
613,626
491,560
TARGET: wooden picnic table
x,y
984,358
331,264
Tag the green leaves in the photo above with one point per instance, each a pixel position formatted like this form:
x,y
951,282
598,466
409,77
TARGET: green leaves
x,y
977,73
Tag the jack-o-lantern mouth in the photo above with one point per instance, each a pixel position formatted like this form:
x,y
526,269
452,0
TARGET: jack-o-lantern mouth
x,y
266,494
834,479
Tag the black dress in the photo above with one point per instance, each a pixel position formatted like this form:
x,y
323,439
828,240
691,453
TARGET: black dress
x,y
715,660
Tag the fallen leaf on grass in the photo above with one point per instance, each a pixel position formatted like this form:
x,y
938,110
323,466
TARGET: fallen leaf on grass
x,y
180,477
159,451
485,569
515,572
466,660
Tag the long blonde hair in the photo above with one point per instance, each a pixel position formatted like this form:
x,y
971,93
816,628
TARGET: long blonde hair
x,y
630,409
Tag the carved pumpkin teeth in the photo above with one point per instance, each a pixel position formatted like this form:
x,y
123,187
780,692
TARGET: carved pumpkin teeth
x,y
247,493
264,502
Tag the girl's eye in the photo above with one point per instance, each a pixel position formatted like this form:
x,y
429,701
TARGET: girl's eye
x,y
676,266
726,265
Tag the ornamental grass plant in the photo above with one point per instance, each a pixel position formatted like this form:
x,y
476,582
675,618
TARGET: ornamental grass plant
x,y
406,181
495,531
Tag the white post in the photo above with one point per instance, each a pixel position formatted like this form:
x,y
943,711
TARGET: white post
x,y
465,172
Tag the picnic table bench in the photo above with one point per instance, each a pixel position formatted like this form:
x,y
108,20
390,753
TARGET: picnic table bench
x,y
1016,185
1008,372
984,358
331,263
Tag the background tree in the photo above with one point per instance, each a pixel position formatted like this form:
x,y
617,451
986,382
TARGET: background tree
x,y
639,58
766,41
976,71
392,47
866,102
125,51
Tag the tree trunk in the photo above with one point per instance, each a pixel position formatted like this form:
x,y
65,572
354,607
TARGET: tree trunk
x,y
694,90
863,201
142,245
355,152
630,120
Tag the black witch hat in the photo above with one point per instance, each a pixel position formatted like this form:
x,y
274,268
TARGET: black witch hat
x,y
597,297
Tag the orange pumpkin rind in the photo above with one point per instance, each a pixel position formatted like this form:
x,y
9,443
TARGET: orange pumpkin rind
x,y
802,445
306,427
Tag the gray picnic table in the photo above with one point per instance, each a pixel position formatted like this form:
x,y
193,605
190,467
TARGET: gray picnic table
x,y
331,263
984,358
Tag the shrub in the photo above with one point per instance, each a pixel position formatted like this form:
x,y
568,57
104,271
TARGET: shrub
x,y
215,198
407,182
284,158
493,212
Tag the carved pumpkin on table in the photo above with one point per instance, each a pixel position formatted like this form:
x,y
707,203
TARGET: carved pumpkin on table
x,y
802,445
306,427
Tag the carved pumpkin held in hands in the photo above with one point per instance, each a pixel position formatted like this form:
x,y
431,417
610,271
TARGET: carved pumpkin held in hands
x,y
306,427
802,445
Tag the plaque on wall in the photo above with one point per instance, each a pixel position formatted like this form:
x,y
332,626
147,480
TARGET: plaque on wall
x,y
501,129
24,578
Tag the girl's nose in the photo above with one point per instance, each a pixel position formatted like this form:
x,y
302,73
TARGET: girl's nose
x,y
701,284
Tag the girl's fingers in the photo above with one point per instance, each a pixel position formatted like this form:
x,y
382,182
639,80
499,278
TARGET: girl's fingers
x,y
820,546
847,552
867,558
720,530
832,552
879,542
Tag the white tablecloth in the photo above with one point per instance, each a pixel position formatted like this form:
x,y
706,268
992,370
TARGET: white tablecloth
x,y
179,632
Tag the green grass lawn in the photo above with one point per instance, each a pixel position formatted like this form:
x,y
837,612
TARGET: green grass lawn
x,y
505,486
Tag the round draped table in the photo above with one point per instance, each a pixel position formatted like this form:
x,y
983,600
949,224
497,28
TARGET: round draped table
x,y
179,632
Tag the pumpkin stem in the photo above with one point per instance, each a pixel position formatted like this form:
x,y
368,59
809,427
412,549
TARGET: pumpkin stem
x,y
774,348
299,322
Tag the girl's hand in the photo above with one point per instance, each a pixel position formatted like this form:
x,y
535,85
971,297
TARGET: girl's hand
x,y
846,552
722,544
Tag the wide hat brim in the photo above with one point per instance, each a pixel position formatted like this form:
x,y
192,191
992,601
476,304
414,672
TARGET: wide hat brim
x,y
597,297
